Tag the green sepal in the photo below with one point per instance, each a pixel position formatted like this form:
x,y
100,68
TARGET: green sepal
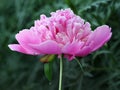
x,y
47,58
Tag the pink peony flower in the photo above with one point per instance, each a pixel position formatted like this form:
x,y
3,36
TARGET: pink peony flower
x,y
62,33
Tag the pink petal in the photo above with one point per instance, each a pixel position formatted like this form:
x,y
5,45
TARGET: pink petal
x,y
47,47
79,50
69,57
99,37
28,36
72,48
18,48
85,50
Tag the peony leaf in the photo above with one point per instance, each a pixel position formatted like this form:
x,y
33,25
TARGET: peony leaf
x,y
48,70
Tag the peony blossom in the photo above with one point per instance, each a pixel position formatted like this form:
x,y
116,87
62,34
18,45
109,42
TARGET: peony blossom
x,y
61,33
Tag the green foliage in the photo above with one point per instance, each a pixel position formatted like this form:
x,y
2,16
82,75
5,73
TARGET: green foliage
x,y
25,72
48,70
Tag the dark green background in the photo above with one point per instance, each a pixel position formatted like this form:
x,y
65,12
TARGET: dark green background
x,y
25,72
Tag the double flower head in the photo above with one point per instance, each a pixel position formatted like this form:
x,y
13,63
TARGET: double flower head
x,y
61,33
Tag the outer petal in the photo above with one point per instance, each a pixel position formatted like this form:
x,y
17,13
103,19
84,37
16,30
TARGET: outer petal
x,y
69,57
99,37
47,47
72,48
28,36
85,50
76,49
19,48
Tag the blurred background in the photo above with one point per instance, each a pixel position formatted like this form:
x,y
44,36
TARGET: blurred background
x,y
25,72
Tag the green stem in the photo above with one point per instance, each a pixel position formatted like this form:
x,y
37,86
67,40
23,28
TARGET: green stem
x,y
79,64
60,77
